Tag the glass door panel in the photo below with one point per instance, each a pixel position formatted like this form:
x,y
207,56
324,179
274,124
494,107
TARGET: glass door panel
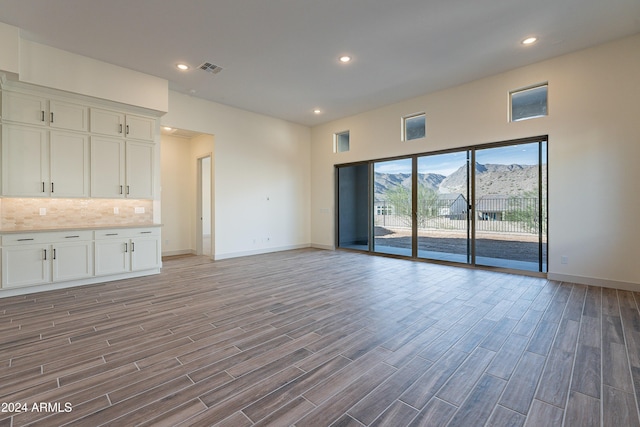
x,y
443,202
392,207
510,218
353,207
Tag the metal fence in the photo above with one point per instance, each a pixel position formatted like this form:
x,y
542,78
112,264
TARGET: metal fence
x,y
495,214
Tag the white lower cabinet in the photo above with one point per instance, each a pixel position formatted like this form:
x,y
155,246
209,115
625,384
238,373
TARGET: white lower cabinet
x,y
25,265
78,257
72,260
39,258
125,250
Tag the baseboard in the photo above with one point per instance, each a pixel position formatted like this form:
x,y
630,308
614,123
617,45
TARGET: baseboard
x,y
326,247
228,255
180,252
592,281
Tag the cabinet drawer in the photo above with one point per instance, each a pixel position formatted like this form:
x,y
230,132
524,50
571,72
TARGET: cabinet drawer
x,y
25,239
143,232
71,236
119,233
116,233
46,237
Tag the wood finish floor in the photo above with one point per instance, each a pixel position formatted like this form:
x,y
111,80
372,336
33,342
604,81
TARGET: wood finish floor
x,y
319,338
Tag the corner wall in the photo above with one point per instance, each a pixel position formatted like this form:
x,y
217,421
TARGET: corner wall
x,y
594,145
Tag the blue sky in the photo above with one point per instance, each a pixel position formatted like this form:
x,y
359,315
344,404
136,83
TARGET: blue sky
x,y
445,164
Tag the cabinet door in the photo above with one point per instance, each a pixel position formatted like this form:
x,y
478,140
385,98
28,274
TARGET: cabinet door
x,y
107,122
23,108
107,167
140,127
112,256
73,260
145,253
26,265
25,161
69,157
66,115
140,169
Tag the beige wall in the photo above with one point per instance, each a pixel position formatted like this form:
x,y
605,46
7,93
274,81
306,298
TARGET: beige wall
x,y
594,145
46,66
260,174
177,201
179,190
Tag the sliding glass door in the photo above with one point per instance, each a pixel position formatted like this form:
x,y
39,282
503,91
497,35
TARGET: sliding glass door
x,y
353,207
483,205
443,203
510,205
392,207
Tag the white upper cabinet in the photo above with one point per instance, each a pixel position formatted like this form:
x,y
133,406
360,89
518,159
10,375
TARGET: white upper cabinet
x,y
107,167
35,164
114,123
140,170
24,108
35,110
69,164
66,115
140,127
25,161
61,145
106,122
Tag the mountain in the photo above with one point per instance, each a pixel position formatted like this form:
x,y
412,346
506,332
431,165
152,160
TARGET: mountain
x,y
384,181
491,179
512,180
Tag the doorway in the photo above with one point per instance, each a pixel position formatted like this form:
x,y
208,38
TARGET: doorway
x,y
204,233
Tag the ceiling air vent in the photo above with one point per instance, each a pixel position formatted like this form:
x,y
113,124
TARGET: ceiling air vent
x,y
210,68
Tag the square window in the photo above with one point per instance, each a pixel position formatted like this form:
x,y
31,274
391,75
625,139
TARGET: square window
x,y
414,127
341,142
529,103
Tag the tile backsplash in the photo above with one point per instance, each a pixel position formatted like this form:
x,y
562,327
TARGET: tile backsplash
x,y
50,213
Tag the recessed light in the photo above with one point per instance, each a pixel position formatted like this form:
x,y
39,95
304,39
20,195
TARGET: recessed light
x,y
345,58
167,128
183,67
317,111
529,40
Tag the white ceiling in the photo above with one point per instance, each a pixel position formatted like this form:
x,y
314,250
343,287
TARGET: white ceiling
x,y
280,57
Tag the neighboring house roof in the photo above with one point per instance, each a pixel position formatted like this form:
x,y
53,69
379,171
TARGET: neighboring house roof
x,y
493,203
450,196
